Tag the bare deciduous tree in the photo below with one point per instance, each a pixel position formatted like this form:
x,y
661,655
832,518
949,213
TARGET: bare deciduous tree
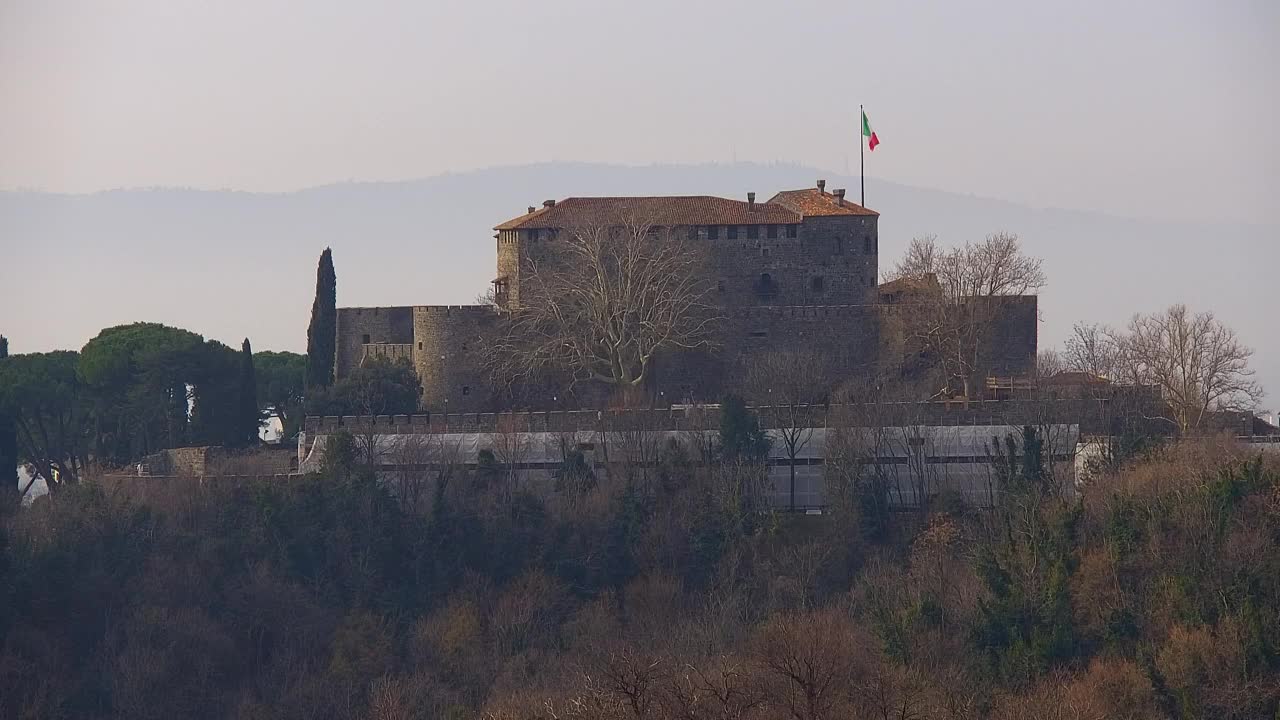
x,y
993,267
1197,362
793,384
1049,362
609,297
1093,349
951,324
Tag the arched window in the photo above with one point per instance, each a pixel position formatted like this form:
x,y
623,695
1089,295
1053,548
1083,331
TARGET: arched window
x,y
766,288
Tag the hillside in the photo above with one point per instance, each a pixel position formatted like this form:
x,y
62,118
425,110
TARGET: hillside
x,y
230,264
646,594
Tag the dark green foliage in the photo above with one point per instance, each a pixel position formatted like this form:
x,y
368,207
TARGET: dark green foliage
x,y
154,387
322,332
281,378
741,439
378,387
249,416
49,406
1025,629
139,376
327,596
8,447
575,476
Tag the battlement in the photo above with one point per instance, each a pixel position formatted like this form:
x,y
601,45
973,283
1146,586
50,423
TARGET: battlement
x,y
801,311
479,310
374,310
393,352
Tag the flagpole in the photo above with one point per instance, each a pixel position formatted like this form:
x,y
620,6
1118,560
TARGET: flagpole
x,y
862,165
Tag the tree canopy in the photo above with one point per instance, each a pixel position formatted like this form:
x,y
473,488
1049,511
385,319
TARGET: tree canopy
x,y
49,406
378,387
322,332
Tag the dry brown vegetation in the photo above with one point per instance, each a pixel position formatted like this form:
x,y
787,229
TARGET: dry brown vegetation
x,y
1155,593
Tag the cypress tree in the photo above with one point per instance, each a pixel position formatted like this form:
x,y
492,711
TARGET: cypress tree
x,y
322,332
8,445
247,416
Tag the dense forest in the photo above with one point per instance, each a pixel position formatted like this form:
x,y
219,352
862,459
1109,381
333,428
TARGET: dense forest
x,y
667,592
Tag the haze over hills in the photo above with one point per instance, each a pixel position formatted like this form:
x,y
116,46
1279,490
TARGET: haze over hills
x,y
229,264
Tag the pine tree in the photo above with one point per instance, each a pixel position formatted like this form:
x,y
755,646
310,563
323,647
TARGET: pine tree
x,y
322,332
8,446
247,416
741,438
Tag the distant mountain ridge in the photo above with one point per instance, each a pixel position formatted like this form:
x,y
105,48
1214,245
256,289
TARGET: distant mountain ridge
x,y
229,264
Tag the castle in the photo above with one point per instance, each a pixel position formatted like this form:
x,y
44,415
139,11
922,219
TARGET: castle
x,y
797,271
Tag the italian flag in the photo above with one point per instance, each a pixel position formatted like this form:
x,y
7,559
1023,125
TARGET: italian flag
x,y
867,132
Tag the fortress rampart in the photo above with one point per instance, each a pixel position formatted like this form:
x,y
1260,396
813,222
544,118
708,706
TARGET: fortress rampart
x,y
799,271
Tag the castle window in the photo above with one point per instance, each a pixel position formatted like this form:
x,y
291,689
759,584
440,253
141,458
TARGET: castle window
x,y
817,283
713,232
771,231
759,333
732,233
839,246
869,245
753,232
419,344
766,288
719,286
466,389
792,230
764,252
365,338
692,232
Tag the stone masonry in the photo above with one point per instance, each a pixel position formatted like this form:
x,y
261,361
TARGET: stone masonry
x,y
799,270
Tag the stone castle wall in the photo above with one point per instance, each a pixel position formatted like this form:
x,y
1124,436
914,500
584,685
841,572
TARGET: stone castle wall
x,y
831,261
1095,416
448,342
445,346
814,291
358,327
1012,341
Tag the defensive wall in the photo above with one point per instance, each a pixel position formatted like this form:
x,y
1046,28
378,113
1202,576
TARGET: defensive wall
x,y
1094,416
445,345
796,272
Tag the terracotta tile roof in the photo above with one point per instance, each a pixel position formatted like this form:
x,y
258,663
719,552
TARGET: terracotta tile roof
x,y
927,285
662,210
812,202
1074,377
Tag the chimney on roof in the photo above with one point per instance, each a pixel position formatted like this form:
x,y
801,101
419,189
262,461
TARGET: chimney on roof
x,y
751,201
822,186
531,209
548,203
839,193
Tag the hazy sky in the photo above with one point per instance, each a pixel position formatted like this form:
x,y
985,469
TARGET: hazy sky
x,y
1160,109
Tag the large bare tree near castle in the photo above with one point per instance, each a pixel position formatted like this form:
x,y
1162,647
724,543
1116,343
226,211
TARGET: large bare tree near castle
x,y
617,292
952,318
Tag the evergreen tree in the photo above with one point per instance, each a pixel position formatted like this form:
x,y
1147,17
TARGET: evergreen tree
x,y
8,446
322,332
741,439
248,418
